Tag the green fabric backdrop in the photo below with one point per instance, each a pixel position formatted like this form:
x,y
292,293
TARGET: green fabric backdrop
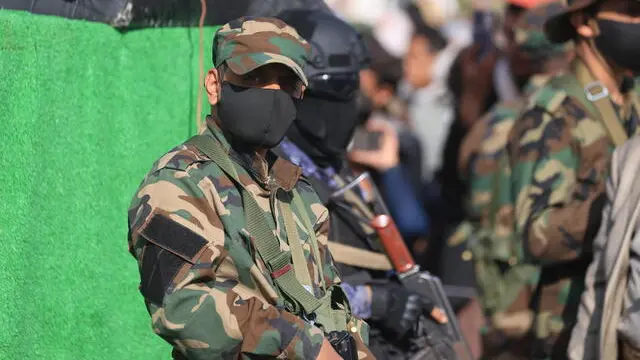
x,y
85,110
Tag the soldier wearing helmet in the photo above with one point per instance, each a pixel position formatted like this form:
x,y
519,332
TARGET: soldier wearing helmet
x,y
318,141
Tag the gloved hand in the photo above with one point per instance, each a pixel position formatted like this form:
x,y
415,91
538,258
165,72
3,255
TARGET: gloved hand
x,y
398,310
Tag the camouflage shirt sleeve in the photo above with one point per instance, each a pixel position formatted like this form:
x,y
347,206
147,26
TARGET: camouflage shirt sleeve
x,y
192,288
559,161
486,167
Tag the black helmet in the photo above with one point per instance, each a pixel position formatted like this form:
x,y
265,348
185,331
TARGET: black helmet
x,y
327,116
337,52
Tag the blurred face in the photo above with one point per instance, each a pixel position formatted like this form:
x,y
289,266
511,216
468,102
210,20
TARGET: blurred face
x,y
511,16
418,63
368,83
520,63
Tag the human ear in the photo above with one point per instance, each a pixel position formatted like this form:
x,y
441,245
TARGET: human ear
x,y
212,85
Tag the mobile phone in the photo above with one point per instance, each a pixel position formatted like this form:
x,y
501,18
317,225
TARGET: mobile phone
x,y
364,139
483,32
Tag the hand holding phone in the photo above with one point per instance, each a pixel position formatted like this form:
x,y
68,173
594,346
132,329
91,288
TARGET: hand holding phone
x,y
376,146
364,139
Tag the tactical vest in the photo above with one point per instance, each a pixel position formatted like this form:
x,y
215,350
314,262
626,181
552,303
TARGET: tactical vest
x,y
288,270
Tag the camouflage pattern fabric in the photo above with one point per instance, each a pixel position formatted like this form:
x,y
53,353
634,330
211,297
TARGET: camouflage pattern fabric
x,y
559,156
208,292
502,275
492,235
529,32
248,43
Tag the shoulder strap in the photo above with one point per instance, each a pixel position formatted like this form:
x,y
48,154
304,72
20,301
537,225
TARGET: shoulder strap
x,y
595,92
267,245
364,259
299,204
595,98
297,253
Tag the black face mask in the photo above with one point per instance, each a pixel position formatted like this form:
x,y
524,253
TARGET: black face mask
x,y
620,43
324,128
255,118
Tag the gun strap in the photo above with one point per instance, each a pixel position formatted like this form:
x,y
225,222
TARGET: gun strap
x,y
299,204
595,97
265,241
365,259
297,253
356,201
598,95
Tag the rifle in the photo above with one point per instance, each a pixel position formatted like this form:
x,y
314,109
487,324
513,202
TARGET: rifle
x,y
421,282
362,194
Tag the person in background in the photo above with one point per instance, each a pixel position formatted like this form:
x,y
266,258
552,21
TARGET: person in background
x,y
505,281
214,290
560,149
317,141
379,102
429,106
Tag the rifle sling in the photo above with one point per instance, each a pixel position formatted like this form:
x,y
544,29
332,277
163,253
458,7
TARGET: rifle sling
x,y
365,259
266,243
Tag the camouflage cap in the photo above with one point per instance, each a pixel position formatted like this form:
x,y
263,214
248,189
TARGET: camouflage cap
x,y
247,43
529,31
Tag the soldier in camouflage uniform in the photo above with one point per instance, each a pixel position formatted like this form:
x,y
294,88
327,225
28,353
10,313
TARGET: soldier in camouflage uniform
x,y
504,281
559,151
216,222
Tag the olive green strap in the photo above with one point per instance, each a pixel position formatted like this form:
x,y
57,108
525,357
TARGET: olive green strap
x,y
299,204
598,94
267,245
365,259
297,253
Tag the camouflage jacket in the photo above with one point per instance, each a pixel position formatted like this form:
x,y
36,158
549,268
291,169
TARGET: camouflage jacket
x,y
484,147
208,293
559,156
484,162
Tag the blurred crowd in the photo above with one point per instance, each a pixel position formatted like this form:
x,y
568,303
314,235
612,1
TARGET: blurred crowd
x,y
443,88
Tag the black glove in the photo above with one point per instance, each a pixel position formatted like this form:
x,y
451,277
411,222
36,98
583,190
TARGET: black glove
x,y
396,309
344,344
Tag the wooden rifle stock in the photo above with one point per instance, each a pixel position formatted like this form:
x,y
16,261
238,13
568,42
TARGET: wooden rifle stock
x,y
422,283
393,244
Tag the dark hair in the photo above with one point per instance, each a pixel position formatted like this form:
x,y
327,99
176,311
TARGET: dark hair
x,y
436,40
515,10
387,68
414,14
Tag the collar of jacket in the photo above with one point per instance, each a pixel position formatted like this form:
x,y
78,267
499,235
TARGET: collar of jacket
x,y
270,172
